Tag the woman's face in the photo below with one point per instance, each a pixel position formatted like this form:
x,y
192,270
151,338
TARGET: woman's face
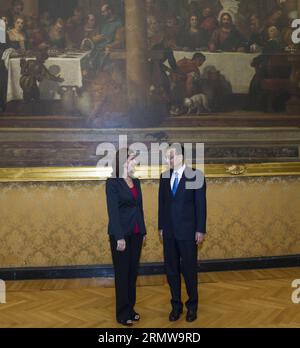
x,y
273,33
194,22
91,21
19,24
130,164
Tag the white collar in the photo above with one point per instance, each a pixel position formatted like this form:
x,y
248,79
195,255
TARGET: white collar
x,y
180,171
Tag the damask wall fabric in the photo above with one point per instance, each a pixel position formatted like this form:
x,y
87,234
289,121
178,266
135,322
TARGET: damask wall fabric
x,y
65,224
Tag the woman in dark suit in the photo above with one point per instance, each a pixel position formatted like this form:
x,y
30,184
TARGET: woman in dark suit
x,y
127,232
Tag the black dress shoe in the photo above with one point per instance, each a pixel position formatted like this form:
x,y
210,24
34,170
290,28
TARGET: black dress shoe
x,y
175,315
191,315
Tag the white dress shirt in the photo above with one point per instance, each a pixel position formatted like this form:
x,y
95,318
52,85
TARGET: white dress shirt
x,y
180,172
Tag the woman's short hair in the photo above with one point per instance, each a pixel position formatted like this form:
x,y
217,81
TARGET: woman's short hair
x,y
120,159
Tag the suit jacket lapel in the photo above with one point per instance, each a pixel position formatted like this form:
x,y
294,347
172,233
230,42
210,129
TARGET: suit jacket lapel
x,y
169,184
124,184
138,187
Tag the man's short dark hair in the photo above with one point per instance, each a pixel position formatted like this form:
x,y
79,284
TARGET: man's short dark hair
x,y
120,159
199,55
179,149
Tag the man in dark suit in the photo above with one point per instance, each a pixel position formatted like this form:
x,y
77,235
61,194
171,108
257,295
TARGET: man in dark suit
x,y
182,225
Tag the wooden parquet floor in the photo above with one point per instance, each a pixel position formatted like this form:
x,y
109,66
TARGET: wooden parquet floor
x,y
230,299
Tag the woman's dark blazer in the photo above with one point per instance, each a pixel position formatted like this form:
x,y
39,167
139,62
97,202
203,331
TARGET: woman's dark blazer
x,y
124,211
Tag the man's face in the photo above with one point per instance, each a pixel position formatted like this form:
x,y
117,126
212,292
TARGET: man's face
x,y
254,23
194,22
106,12
77,16
153,26
171,22
31,23
200,62
91,21
59,27
275,17
226,21
18,8
206,12
173,159
273,33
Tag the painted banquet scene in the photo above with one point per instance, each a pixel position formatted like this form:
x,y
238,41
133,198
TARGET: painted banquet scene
x,y
109,64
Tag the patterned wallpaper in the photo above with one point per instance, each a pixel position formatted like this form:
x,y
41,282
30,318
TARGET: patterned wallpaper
x,y
59,224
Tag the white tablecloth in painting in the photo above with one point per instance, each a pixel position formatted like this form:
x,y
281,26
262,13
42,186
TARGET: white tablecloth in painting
x,y
69,66
235,66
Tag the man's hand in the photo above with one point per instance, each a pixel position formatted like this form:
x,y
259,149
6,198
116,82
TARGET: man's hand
x,y
107,50
98,38
161,234
199,238
121,245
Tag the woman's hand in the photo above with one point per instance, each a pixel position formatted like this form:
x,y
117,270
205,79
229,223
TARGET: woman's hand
x,y
121,245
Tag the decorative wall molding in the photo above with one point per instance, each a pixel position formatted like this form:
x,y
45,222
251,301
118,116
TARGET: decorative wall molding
x,y
64,174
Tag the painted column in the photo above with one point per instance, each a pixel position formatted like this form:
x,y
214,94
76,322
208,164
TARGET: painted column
x,y
137,50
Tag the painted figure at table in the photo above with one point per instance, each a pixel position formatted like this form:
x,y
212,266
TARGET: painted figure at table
x,y
16,10
195,37
17,36
256,38
57,36
275,18
34,71
273,44
37,37
46,20
74,29
208,20
172,31
227,37
112,36
91,27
